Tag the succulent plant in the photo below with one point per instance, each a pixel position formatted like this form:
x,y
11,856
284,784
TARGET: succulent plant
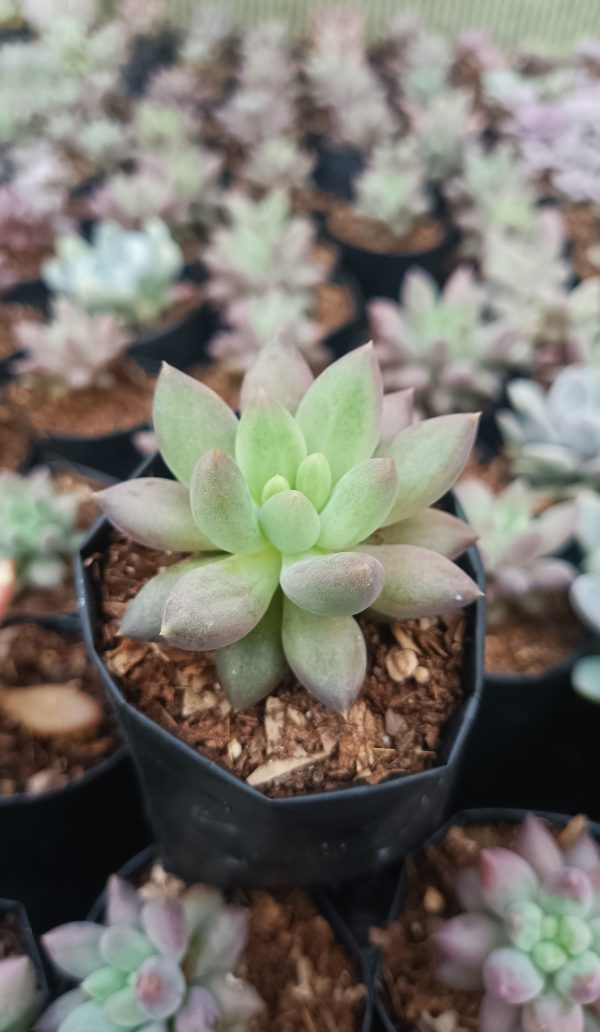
x,y
439,343
44,13
516,545
208,27
19,994
159,127
23,231
441,130
585,591
554,437
104,141
156,964
588,530
266,60
37,528
256,321
425,68
254,115
290,496
528,934
73,349
392,187
277,163
564,328
130,274
262,247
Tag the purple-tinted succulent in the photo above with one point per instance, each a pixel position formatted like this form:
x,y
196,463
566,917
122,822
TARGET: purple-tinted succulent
x,y
529,936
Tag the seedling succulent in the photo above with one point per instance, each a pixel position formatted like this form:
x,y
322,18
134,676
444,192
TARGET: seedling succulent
x,y
392,187
130,274
278,510
37,528
19,994
156,964
529,934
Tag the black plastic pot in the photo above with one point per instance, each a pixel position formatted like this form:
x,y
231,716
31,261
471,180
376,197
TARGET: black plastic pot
x,y
57,848
336,168
15,34
32,292
211,826
464,818
183,344
114,454
354,331
12,908
131,870
149,55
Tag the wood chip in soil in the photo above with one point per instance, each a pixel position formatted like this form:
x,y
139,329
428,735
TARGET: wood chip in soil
x,y
10,315
413,686
31,655
370,235
11,936
531,645
412,992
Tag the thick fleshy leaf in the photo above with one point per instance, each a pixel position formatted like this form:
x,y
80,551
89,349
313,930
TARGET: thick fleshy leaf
x,y
238,1001
338,584
467,886
252,667
314,479
585,599
419,582
523,923
189,420
397,413
579,978
432,529
222,506
200,1012
269,442
218,604
429,459
539,847
327,654
57,1012
17,991
359,504
289,521
200,903
89,1017
8,583
124,947
122,902
505,878
156,513
459,976
510,975
123,1008
75,948
222,942
163,921
469,938
103,982
159,987
556,526
497,1016
340,415
281,372
584,853
144,614
551,1014
567,891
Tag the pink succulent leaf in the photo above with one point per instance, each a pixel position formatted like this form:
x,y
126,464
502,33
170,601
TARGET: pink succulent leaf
x,y
552,1014
122,902
556,526
124,947
222,942
538,847
460,976
398,413
419,582
163,921
469,938
552,574
200,1012
584,854
505,878
419,291
386,323
579,979
523,548
497,1016
282,372
467,886
510,976
459,287
75,948
18,992
154,512
57,1012
567,891
159,987
238,1001
430,528
512,581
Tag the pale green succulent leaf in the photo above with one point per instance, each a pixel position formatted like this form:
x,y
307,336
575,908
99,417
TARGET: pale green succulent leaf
x,y
419,582
429,528
144,615
333,584
314,479
89,1017
585,598
125,947
154,512
289,521
586,677
222,506
56,1014
359,503
103,982
281,372
274,486
215,605
252,667
123,1009
269,442
328,655
429,459
340,415
189,420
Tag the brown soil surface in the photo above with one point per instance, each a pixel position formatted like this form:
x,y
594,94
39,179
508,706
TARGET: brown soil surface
x,y
10,314
412,687
15,438
30,655
25,264
125,402
496,474
531,645
190,296
370,235
11,937
412,992
223,382
334,307
582,226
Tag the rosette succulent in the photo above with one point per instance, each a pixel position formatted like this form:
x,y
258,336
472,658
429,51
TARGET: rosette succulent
x,y
439,342
392,187
159,126
279,510
73,349
38,528
157,964
277,164
554,437
130,274
442,129
516,545
529,934
256,321
19,994
585,591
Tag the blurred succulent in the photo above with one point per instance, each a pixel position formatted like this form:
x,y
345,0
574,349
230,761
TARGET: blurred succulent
x,y
528,935
554,437
73,349
515,544
564,329
143,17
588,530
263,247
267,60
19,994
208,27
157,127
585,599
10,12
103,141
156,963
425,68
257,321
25,232
254,115
277,163
262,106
477,47
439,343
175,86
37,527
292,494
392,188
441,130
41,177
130,274
92,58
44,13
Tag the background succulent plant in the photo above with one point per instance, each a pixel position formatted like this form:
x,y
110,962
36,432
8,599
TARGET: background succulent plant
x,y
442,129
291,494
528,934
24,230
277,163
155,961
19,994
130,274
256,321
392,187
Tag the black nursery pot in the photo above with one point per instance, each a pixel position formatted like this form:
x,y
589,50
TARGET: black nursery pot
x,y
114,454
182,345
32,292
352,332
150,54
211,826
336,168
15,910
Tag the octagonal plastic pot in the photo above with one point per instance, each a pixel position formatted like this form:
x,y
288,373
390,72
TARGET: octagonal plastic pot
x,y
211,826
336,168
